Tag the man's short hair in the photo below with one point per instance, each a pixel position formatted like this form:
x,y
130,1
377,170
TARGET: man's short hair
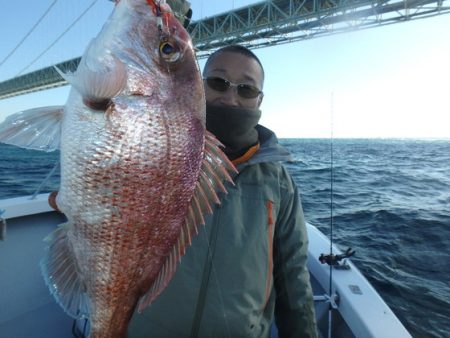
x,y
238,49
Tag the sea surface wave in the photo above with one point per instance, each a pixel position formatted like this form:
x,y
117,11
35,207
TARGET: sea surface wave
x,y
390,202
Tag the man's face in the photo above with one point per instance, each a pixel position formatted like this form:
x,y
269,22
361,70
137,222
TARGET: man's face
x,y
238,69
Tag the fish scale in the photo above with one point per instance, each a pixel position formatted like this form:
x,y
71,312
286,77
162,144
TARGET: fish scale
x,y
138,168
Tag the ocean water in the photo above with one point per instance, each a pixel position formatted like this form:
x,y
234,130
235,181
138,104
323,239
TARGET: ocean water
x,y
391,203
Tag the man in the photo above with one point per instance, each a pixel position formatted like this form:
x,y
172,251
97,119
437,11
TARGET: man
x,y
248,265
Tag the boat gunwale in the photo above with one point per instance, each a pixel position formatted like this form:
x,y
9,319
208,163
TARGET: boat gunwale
x,y
24,206
364,323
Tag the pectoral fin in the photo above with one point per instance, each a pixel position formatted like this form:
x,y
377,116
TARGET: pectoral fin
x,y
215,169
97,80
38,128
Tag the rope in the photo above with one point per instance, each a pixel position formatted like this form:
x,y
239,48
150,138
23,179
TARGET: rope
x,y
208,267
50,174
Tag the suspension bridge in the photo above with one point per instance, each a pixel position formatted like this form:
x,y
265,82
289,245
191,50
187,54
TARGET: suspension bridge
x,y
264,24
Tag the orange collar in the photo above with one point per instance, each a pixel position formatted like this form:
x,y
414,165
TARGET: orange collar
x,y
248,154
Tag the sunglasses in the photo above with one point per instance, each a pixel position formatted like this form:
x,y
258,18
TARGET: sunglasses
x,y
222,85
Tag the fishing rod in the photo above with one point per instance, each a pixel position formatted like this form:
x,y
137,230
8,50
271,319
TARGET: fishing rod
x,y
331,259
330,291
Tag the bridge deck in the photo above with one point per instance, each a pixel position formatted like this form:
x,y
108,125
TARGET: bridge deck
x,y
266,23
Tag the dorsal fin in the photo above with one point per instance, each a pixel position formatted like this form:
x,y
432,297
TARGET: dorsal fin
x,y
215,168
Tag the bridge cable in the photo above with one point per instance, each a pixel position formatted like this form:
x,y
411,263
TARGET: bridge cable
x,y
29,33
59,37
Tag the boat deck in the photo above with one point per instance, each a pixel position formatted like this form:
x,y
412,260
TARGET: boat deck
x,y
28,310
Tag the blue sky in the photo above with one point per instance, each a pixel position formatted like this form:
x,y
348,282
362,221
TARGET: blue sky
x,y
390,81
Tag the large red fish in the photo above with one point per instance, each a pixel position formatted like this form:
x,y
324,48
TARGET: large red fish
x,y
138,169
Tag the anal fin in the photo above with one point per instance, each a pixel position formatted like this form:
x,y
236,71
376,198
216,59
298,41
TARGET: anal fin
x,y
215,169
60,272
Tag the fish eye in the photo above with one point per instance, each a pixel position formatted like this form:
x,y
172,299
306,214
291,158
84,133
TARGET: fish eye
x,y
166,48
169,51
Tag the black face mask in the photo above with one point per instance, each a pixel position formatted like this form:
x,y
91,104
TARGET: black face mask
x,y
234,127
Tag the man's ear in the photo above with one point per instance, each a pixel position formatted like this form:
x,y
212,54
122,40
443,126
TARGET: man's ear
x,y
261,96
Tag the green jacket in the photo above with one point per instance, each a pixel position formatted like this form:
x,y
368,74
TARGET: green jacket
x,y
257,242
